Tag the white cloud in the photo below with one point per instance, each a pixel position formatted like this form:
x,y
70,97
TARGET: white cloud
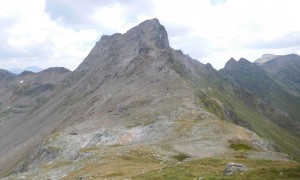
x,y
62,32
230,28
35,39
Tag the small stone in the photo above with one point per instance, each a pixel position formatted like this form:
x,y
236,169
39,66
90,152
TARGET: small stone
x,y
232,168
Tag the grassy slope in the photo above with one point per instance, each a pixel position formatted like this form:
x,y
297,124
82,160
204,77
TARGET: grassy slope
x,y
253,78
265,128
286,102
144,163
213,169
208,81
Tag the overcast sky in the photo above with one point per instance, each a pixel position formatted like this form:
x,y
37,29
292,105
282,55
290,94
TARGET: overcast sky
x,y
49,33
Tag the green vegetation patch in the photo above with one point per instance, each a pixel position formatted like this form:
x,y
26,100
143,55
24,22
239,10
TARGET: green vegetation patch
x,y
210,168
116,174
56,164
240,145
181,157
88,149
118,163
53,148
212,105
132,125
139,156
139,123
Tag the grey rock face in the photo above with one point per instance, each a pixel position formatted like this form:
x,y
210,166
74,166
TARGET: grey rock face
x,y
153,32
137,41
233,168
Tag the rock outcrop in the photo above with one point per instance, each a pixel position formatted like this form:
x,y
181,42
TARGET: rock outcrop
x,y
233,168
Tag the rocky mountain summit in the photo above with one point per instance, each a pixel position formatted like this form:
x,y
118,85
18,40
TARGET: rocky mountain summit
x,y
265,58
133,108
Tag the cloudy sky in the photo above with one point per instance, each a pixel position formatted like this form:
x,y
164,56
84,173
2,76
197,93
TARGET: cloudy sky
x,y
49,33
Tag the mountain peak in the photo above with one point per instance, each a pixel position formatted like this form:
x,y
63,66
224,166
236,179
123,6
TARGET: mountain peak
x,y
244,61
148,35
55,70
24,73
268,55
234,64
6,75
150,31
230,64
153,33
265,58
232,59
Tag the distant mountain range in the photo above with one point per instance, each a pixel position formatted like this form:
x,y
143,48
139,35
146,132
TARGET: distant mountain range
x,y
137,108
29,68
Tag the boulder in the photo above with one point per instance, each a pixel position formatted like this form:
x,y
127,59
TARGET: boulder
x,y
233,168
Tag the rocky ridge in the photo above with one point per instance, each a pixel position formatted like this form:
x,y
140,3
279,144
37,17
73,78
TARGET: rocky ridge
x,y
132,98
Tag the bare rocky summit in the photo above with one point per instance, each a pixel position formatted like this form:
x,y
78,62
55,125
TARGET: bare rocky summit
x,y
133,99
265,58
